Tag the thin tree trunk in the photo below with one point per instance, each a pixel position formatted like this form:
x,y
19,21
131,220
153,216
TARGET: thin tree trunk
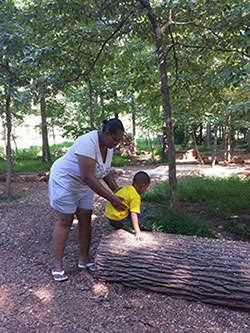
x,y
46,153
196,147
214,146
229,139
164,144
91,106
185,134
133,125
248,134
248,140
8,144
151,144
54,137
208,140
15,144
174,194
200,135
225,144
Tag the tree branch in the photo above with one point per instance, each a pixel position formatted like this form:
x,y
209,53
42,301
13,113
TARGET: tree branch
x,y
86,73
175,57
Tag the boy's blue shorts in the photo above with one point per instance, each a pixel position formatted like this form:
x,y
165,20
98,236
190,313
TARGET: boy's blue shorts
x,y
126,219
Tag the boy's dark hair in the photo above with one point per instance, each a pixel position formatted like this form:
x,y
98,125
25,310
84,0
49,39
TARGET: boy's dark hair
x,y
112,125
141,177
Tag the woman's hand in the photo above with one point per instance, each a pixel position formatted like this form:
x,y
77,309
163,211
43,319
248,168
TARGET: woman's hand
x,y
117,203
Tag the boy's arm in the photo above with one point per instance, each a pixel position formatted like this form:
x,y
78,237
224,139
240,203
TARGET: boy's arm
x,y
135,221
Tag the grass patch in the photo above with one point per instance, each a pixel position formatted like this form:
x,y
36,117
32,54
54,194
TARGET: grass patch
x,y
222,197
30,160
29,165
119,160
238,228
183,224
12,197
219,197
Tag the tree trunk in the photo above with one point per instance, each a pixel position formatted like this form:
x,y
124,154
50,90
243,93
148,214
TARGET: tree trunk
x,y
174,193
214,146
248,134
164,144
208,137
229,139
8,144
133,124
91,106
196,147
201,135
151,145
185,134
225,144
208,270
46,153
248,140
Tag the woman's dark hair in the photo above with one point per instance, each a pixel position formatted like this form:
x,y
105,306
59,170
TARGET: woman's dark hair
x,y
112,125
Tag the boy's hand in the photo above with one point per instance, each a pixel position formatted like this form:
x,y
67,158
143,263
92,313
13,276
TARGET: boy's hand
x,y
138,237
117,203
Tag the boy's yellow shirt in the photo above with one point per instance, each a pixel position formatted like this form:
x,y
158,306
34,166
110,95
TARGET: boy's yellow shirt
x,y
132,202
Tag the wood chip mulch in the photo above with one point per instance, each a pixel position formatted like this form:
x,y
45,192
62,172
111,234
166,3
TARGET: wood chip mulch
x,y
30,301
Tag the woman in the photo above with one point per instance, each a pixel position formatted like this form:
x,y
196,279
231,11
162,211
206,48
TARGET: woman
x,y
73,180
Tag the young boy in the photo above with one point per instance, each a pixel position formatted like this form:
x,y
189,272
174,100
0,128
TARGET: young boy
x,y
132,200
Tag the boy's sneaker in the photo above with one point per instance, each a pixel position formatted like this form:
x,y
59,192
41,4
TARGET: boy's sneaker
x,y
145,227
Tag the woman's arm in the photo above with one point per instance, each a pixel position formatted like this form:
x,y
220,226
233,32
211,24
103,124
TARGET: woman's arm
x,y
87,171
110,181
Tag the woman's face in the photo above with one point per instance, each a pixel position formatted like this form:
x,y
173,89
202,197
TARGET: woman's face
x,y
114,138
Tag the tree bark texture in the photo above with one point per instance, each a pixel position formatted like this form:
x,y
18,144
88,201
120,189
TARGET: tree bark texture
x,y
46,152
133,124
208,270
8,145
196,146
229,139
174,193
91,106
214,146
248,140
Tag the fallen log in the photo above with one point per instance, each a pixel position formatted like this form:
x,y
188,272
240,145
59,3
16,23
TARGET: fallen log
x,y
207,270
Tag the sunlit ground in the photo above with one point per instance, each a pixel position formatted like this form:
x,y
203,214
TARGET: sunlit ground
x,y
197,169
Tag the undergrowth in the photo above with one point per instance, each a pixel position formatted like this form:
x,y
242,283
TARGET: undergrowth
x,y
219,197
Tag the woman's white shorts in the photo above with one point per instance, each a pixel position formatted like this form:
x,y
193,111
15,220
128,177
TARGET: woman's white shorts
x,y
67,202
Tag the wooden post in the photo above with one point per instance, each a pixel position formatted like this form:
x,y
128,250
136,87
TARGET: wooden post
x,y
208,270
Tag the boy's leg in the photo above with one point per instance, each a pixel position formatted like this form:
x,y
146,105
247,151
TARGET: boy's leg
x,y
116,225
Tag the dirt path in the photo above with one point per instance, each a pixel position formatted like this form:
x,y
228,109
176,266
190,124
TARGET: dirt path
x,y
30,301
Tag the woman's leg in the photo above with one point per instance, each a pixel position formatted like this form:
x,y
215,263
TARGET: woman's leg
x,y
60,236
84,234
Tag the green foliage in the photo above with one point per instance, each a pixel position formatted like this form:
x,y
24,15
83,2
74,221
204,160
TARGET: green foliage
x,y
183,224
218,197
30,159
238,228
119,160
222,197
27,165
142,145
12,197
